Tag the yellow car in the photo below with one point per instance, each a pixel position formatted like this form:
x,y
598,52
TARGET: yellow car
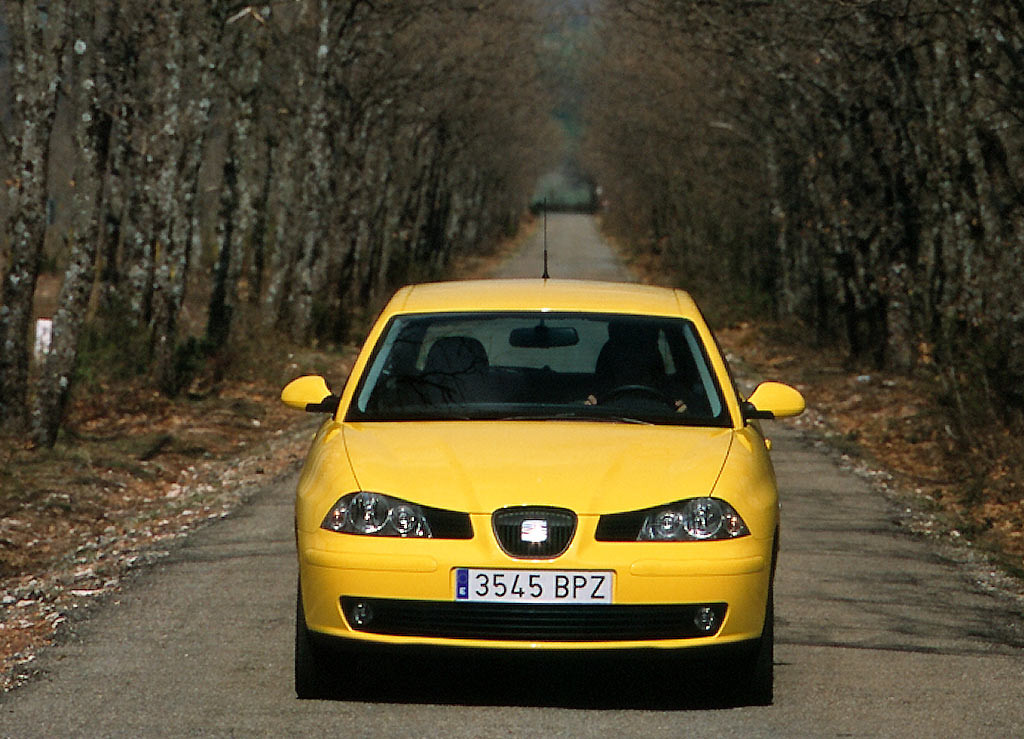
x,y
537,465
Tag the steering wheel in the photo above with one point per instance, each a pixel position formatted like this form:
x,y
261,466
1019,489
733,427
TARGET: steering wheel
x,y
648,390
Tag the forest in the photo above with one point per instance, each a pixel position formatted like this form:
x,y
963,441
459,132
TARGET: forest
x,y
857,167
853,167
285,164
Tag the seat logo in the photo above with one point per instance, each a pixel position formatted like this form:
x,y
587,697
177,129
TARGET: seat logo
x,y
534,531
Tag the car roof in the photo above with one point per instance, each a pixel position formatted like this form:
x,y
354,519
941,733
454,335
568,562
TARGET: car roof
x,y
540,294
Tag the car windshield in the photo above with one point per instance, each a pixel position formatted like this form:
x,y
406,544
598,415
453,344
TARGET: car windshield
x,y
540,365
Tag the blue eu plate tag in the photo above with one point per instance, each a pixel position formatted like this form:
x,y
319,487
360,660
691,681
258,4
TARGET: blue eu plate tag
x,y
462,584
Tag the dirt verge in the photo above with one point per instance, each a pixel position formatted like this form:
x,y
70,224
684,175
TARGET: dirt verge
x,y
893,428
132,475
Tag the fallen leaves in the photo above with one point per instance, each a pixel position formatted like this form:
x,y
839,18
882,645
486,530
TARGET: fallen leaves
x,y
896,424
135,474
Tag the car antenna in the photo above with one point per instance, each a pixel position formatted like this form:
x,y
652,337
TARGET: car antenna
x,y
546,276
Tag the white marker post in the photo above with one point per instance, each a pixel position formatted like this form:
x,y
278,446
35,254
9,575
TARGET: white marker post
x,y
44,338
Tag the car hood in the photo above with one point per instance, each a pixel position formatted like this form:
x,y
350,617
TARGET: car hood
x,y
480,466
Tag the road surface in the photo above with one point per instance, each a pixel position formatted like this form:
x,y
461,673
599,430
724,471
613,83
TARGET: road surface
x,y
877,634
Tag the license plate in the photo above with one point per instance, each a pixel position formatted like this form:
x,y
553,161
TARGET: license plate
x,y
533,586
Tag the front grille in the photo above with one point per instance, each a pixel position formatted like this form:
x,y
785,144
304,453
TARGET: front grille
x,y
534,532
513,622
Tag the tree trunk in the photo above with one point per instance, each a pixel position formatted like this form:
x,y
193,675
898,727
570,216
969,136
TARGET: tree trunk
x,y
222,296
37,41
92,137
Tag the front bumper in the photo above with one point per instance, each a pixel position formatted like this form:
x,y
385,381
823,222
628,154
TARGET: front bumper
x,y
409,587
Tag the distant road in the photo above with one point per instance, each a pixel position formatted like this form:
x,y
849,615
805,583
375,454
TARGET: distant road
x,y
575,251
877,634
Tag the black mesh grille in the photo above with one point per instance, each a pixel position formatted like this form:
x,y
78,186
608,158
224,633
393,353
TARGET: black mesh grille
x,y
513,622
520,536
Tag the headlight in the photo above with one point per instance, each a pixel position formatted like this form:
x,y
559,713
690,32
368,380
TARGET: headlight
x,y
375,514
694,519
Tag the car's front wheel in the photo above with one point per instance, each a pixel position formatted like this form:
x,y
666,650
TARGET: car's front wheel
x,y
755,671
314,670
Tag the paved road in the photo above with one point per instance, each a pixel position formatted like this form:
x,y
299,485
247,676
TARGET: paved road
x,y
575,251
877,636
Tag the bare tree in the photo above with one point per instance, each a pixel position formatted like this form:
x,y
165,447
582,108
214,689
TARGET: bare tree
x,y
346,156
39,38
89,82
883,140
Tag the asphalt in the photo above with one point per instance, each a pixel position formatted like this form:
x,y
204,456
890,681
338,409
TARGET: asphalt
x,y
879,633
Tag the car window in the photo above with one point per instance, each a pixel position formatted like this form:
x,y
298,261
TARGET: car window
x,y
522,365
494,335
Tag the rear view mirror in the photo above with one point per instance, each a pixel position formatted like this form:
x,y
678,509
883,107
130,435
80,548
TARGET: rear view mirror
x,y
773,400
543,337
311,394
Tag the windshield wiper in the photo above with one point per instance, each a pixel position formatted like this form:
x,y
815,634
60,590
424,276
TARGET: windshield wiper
x,y
574,416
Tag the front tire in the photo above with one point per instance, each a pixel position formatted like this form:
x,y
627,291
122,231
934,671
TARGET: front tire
x,y
314,676
755,672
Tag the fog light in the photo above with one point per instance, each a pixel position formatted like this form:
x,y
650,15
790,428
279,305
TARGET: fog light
x,y
360,613
705,620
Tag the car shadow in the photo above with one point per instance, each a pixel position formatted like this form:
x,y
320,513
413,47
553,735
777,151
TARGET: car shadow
x,y
645,680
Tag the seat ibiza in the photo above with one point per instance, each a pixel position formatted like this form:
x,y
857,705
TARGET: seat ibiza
x,y
538,465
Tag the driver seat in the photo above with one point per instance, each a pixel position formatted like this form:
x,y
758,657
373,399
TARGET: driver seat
x,y
457,370
629,357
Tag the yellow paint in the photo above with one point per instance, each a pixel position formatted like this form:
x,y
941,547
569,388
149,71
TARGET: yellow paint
x,y
477,467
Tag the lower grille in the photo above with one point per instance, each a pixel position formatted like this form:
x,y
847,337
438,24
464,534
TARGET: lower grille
x,y
512,622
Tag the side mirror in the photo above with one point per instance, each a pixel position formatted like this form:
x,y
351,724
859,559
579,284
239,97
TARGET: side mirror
x,y
773,400
311,394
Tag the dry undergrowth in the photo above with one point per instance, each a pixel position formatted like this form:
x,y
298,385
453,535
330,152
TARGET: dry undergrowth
x,y
131,475
896,425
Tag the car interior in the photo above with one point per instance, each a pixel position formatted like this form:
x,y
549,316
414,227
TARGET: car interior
x,y
516,365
